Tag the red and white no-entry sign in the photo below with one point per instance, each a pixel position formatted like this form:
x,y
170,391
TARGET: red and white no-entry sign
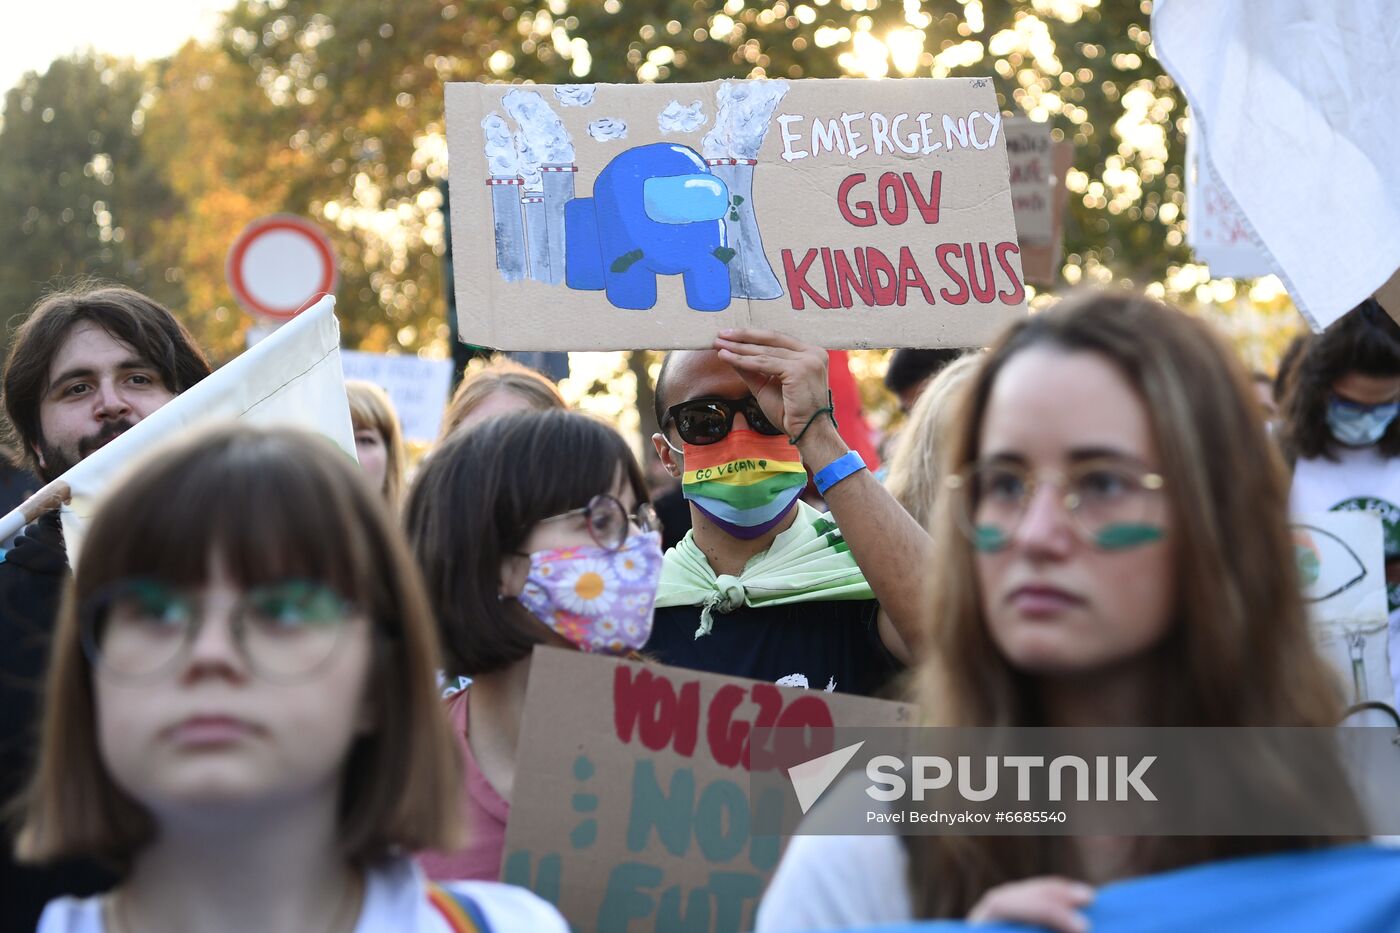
x,y
278,264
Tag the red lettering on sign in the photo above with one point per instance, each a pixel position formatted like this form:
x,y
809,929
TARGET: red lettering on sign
x,y
770,706
894,204
983,291
928,209
727,737
883,277
847,279
1018,291
647,706
863,215
796,276
944,252
911,276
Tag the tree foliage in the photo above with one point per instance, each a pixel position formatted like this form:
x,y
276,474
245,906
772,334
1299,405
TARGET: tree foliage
x,y
79,188
333,109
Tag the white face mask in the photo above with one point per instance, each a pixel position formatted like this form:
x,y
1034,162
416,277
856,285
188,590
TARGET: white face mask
x,y
1359,425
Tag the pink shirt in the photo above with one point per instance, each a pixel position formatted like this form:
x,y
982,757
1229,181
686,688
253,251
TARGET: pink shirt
x,y
484,812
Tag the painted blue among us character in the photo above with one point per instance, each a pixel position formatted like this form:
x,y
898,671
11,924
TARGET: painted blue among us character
x,y
655,210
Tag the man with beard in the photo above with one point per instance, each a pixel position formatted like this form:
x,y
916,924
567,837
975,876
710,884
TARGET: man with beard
x,y
85,366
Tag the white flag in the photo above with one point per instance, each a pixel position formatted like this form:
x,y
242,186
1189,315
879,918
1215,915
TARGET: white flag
x,y
291,378
1296,102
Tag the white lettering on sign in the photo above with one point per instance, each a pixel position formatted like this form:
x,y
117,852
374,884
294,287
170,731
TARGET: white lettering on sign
x,y
845,134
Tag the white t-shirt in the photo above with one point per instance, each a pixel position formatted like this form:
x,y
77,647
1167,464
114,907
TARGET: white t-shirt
x,y
395,901
838,882
1359,480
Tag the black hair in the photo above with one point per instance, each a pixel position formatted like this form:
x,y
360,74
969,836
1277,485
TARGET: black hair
x,y
474,503
908,367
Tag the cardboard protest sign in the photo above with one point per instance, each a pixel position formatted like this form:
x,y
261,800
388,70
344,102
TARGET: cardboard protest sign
x,y
1341,561
848,213
1217,230
417,387
1038,167
1030,162
631,807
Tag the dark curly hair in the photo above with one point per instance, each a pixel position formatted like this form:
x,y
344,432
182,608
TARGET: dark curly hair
x,y
1365,341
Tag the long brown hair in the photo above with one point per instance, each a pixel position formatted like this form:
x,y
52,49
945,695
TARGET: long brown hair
x,y
1238,652
273,502
915,476
499,375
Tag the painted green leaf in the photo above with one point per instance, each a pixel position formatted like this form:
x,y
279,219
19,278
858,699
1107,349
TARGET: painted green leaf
x,y
738,199
724,254
626,261
733,215
1309,566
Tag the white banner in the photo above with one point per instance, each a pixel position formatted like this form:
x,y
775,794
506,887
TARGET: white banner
x,y
417,387
1296,101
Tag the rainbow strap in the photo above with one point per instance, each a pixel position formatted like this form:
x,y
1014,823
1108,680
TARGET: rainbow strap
x,y
459,910
746,479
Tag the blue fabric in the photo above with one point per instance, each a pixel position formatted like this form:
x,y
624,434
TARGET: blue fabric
x,y
1353,889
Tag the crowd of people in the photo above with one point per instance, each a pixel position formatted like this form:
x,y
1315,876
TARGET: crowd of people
x,y
225,711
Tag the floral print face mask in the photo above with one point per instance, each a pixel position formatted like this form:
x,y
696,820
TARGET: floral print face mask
x,y
599,600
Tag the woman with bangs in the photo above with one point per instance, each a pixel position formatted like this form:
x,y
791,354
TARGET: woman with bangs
x,y
531,529
378,438
240,710
1112,550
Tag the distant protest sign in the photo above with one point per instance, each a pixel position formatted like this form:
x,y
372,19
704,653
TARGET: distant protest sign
x,y
1038,167
631,808
1029,151
1216,229
1341,561
417,387
848,213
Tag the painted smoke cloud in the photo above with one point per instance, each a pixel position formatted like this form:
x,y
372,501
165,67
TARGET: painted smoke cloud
x,y
745,109
546,141
503,163
677,118
502,156
607,129
575,95
547,166
731,148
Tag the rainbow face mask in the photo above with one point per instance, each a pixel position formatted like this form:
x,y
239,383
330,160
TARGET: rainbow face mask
x,y
745,483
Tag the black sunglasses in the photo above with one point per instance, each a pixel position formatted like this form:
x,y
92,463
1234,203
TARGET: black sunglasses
x,y
702,421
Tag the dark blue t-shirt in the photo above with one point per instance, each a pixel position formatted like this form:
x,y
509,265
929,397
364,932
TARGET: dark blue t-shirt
x,y
832,644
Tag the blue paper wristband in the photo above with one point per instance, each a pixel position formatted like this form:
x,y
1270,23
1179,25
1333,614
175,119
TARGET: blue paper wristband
x,y
837,470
